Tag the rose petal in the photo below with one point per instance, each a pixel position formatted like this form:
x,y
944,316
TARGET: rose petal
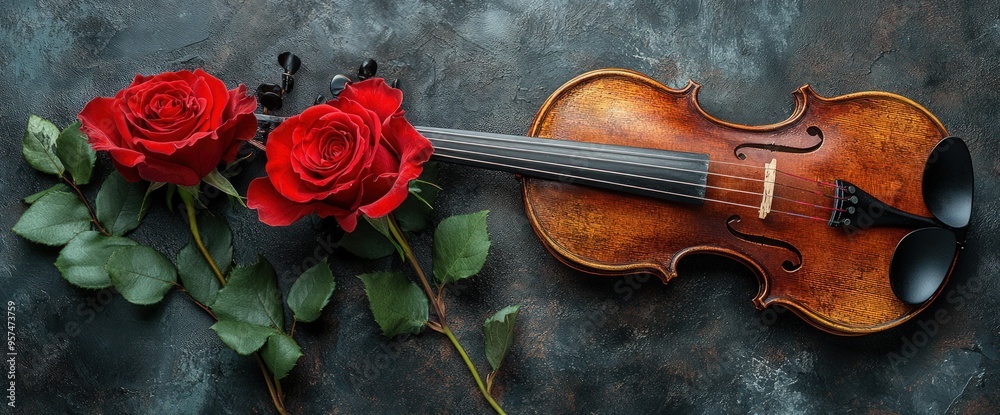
x,y
156,170
275,210
127,157
125,162
97,121
282,157
385,161
373,94
416,151
357,140
348,222
170,147
279,155
219,97
135,106
130,174
239,103
202,155
241,128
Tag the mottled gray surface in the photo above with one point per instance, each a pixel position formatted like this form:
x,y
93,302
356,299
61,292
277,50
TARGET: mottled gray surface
x,y
584,344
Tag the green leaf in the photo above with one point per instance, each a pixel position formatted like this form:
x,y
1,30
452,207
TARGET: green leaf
x,y
53,219
414,214
248,308
59,187
218,181
196,276
280,354
119,204
218,240
195,273
141,274
460,247
153,186
229,170
189,191
244,338
499,333
39,146
75,153
251,296
399,306
191,194
171,191
82,261
367,242
311,292
381,225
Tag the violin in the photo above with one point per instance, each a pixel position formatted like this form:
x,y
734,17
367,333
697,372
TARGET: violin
x,y
852,212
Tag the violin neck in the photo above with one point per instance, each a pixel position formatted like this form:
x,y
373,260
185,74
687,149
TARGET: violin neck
x,y
669,175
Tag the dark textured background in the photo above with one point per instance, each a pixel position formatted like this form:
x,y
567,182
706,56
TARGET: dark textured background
x,y
583,344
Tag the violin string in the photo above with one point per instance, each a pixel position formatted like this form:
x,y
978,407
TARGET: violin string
x,y
681,182
555,143
629,174
811,180
638,176
646,189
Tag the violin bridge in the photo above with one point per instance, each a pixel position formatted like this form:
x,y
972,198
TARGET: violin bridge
x,y
768,195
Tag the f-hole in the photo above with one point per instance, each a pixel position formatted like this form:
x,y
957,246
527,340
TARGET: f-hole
x,y
763,240
813,131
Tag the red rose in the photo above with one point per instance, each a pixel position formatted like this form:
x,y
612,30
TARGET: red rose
x,y
353,155
174,127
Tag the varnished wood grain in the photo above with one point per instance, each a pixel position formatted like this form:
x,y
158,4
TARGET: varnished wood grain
x,y
876,140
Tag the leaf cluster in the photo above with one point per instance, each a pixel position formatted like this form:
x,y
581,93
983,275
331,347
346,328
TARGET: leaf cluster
x,y
95,252
460,248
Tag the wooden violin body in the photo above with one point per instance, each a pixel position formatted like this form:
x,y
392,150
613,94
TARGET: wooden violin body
x,y
834,278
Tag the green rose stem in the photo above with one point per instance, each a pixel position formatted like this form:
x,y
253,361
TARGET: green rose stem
x,y
193,224
442,325
93,216
273,384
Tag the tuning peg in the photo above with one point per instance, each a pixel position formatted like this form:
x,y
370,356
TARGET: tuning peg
x,y
367,69
319,100
290,62
287,82
269,96
337,84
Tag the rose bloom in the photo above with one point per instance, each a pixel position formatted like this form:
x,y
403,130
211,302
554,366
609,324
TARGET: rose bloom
x,y
351,156
174,127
